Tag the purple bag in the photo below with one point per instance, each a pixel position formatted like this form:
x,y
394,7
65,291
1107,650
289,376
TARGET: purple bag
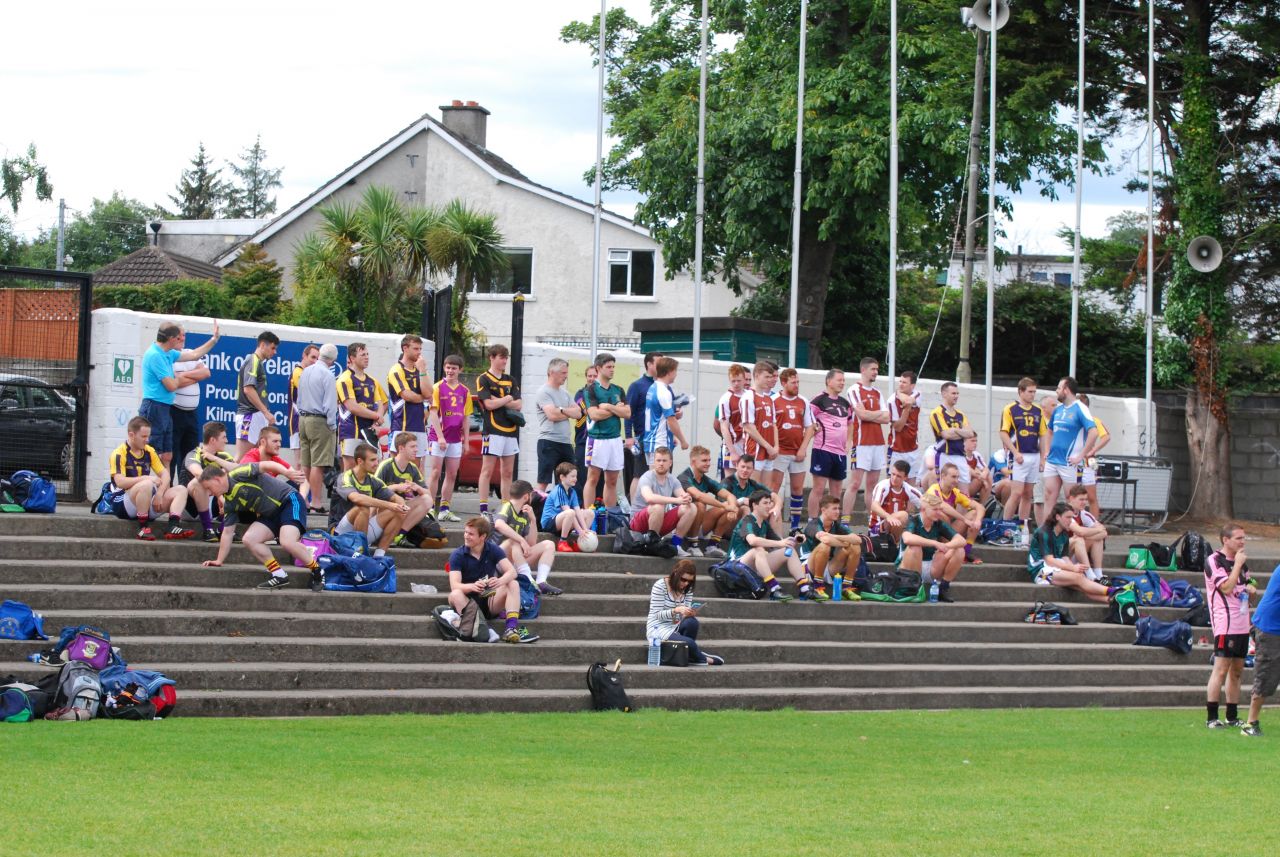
x,y
318,541
90,648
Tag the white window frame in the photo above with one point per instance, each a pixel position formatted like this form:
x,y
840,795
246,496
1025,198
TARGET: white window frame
x,y
506,297
620,255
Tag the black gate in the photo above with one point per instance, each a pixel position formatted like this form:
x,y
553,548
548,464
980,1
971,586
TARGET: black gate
x,y
44,374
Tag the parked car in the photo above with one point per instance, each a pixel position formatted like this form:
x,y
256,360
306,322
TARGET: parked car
x,y
36,423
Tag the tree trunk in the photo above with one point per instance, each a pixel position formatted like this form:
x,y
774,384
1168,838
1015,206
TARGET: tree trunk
x,y
816,256
1209,442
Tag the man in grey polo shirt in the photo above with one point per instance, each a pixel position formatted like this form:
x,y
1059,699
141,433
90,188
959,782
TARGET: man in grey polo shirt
x,y
556,413
318,409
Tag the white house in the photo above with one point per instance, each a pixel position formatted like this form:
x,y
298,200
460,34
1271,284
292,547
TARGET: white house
x,y
548,235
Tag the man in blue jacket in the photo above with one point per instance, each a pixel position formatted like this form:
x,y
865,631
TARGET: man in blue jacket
x,y
1266,667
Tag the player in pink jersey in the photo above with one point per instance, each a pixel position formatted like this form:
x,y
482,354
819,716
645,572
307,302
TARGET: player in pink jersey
x,y
1228,587
829,460
450,429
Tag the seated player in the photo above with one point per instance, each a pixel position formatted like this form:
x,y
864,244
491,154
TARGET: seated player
x,y
479,571
979,476
141,483
1000,466
562,513
362,503
830,548
893,500
661,505
1085,527
401,474
757,546
213,450
1055,559
931,547
717,508
742,485
513,531
273,509
268,449
964,515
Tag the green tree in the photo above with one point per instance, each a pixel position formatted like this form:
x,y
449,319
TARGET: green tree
x,y
201,192
653,101
250,193
468,243
1116,264
111,228
17,171
254,283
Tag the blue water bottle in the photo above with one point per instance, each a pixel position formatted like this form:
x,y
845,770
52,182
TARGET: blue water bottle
x,y
598,523
837,587
655,652
933,592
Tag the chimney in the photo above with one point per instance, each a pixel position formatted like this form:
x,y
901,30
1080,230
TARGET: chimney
x,y
466,119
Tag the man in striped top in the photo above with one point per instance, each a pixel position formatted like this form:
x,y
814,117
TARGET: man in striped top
x,y
950,428
730,414
662,427
870,417
142,487
904,427
408,402
361,404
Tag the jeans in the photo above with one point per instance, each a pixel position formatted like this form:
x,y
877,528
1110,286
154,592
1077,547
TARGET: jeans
x,y
687,632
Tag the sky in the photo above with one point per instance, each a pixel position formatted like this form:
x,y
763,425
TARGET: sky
x,y
117,96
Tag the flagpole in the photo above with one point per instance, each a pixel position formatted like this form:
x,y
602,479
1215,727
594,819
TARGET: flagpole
x,y
991,224
1148,420
1075,260
595,246
698,218
893,193
793,318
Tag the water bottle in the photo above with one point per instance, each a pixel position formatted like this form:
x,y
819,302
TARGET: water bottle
x,y
933,592
655,652
837,586
1244,600
1024,535
601,516
788,552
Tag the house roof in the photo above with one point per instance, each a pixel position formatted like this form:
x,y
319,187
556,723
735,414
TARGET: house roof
x,y
498,168
152,265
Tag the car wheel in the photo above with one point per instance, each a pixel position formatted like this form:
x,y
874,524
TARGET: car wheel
x,y
66,459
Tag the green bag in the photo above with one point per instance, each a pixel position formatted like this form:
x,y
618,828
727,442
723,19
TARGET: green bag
x,y
1140,558
896,586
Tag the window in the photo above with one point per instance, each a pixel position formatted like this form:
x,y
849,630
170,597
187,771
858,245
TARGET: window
x,y
1062,278
1039,277
517,277
631,273
42,397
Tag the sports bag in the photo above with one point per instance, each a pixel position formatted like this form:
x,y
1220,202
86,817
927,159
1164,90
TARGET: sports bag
x,y
1122,608
33,492
530,598
883,548
89,646
1139,558
156,688
605,686
615,519
102,506
20,622
734,579
1048,613
128,703
648,543
897,585
998,531
1183,594
319,542
349,544
1150,589
1175,636
428,535
39,695
1198,616
471,626
1194,552
79,690
15,705
359,573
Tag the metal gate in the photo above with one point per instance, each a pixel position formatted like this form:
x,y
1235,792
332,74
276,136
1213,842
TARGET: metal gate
x,y
45,318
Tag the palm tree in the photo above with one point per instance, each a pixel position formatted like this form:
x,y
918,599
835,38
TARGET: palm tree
x,y
469,243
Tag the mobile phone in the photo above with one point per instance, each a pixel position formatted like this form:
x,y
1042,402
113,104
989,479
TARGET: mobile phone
x,y
698,605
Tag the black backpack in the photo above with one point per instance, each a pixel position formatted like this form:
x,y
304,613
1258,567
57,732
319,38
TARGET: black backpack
x,y
1194,552
1123,610
1198,616
736,580
428,534
628,541
605,685
881,546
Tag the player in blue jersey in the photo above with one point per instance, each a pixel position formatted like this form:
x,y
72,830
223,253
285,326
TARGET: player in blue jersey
x,y
1073,436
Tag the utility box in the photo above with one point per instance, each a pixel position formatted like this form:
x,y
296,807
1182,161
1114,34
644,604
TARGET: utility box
x,y
735,340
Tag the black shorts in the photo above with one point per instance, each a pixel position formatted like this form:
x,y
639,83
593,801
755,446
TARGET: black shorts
x,y
550,454
292,514
489,607
1231,645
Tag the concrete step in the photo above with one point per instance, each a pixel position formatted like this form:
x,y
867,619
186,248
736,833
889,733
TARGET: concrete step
x,y
550,650
308,676
438,701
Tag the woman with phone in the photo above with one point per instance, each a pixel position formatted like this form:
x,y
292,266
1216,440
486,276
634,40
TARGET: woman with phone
x,y
673,614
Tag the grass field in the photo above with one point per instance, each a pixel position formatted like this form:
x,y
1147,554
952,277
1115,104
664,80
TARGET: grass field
x,y
649,783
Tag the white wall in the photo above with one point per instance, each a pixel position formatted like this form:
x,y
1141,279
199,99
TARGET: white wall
x,y
121,333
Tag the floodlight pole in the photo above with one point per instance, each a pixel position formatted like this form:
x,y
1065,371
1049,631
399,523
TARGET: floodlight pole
x,y
1148,416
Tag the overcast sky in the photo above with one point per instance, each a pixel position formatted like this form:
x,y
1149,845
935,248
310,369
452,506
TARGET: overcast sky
x,y
117,95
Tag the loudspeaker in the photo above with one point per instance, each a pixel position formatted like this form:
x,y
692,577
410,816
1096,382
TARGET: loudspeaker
x,y
990,15
1204,253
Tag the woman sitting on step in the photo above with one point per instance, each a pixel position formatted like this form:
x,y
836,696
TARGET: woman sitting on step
x,y
672,614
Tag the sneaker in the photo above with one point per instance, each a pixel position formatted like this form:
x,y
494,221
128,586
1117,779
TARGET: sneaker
x,y
694,550
401,541
714,552
850,595
317,581
973,559
779,595
1235,724
1216,724
526,636
1253,730
713,660
681,553
512,636
177,531
563,546
145,534
816,594
548,589
447,515
211,537
944,596
275,581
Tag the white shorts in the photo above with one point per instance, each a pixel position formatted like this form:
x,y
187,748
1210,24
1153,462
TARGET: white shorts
x,y
1066,472
1029,470
500,445
764,465
295,440
606,453
440,449
959,462
914,458
1044,576
420,435
249,426
349,446
1086,475
374,532
788,464
870,458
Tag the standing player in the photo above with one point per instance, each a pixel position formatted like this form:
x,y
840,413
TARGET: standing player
x,y
606,410
582,423
662,427
1024,435
1074,434
407,400
904,426
832,417
310,355
730,414
950,428
795,433
450,415
870,417
497,394
1228,586
361,405
252,412
759,422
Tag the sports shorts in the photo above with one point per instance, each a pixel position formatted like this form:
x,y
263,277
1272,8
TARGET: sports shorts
x,y
440,449
785,463
913,458
249,426
959,462
501,445
1231,645
1029,470
1266,668
605,453
871,458
828,465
